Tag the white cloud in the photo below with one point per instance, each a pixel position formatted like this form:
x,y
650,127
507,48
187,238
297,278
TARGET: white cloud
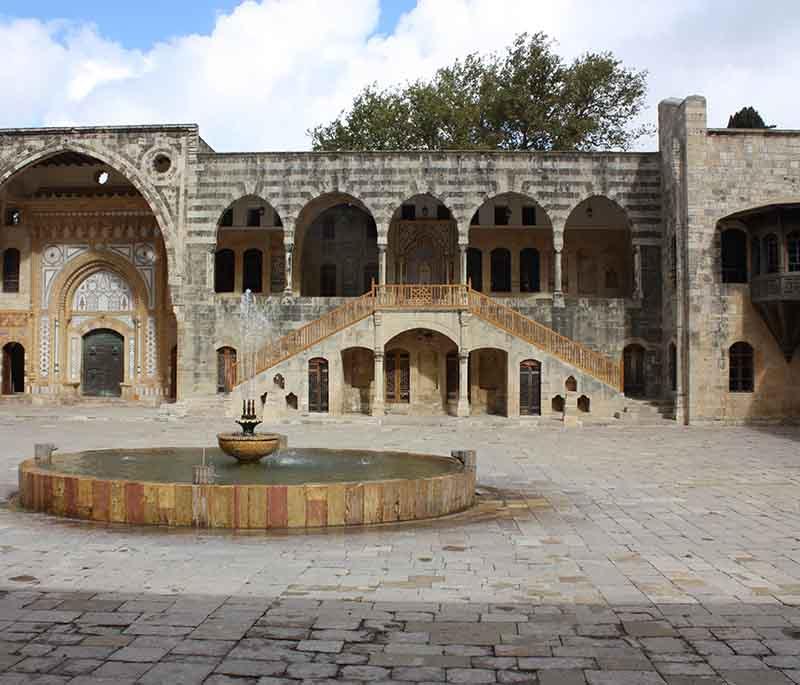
x,y
270,70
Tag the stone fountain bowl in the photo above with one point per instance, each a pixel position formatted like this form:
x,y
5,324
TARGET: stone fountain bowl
x,y
249,449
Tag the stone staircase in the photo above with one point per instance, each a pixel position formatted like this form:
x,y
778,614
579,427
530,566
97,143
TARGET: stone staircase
x,y
648,411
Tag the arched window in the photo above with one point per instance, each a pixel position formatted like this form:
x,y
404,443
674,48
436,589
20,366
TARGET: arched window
x,y
475,268
529,270
741,367
734,256
224,271
771,254
793,250
327,280
755,256
11,270
501,270
252,268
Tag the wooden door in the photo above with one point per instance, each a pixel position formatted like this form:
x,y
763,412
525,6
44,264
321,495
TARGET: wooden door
x,y
226,365
398,376
103,369
318,385
633,358
530,388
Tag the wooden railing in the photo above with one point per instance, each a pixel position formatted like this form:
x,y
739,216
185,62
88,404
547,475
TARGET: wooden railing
x,y
598,365
449,297
408,296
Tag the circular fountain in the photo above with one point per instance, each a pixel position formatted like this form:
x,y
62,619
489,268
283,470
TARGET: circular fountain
x,y
202,487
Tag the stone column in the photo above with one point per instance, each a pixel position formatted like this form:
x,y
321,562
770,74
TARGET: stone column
x,y
462,249
637,272
378,400
381,263
558,296
463,389
289,249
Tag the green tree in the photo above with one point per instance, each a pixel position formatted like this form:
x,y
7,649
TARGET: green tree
x,y
746,117
525,99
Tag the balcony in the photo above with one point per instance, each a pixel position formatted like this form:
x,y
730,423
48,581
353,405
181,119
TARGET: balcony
x,y
775,287
777,298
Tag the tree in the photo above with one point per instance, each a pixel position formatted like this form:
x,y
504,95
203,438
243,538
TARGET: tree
x,y
526,99
747,117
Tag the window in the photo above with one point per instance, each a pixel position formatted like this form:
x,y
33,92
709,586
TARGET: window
x,y
11,270
254,215
13,217
370,276
501,270
227,218
755,256
793,250
329,229
408,212
502,215
475,268
252,268
327,280
442,213
771,254
476,219
741,367
612,280
734,256
529,270
224,271
529,216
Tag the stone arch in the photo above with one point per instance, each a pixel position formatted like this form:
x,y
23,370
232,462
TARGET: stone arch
x,y
478,203
392,328
488,380
161,212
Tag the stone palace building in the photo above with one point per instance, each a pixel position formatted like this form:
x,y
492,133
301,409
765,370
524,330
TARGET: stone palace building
x,y
417,283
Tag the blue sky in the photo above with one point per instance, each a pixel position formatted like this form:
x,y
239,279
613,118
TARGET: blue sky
x,y
141,23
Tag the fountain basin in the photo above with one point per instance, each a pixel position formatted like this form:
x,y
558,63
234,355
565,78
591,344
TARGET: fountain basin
x,y
249,448
298,488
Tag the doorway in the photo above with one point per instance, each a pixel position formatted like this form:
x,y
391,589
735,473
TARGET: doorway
x,y
226,367
318,385
13,368
633,370
103,361
530,388
398,377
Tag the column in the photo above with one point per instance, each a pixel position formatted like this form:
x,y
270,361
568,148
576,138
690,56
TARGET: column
x,y
378,399
381,263
637,271
558,296
289,249
462,250
463,389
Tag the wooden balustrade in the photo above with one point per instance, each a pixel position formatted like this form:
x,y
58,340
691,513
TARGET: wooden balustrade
x,y
446,297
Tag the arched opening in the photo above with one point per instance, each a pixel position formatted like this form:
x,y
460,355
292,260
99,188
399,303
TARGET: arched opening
x,y
529,277
291,401
516,223
571,385
76,217
501,270
452,377
741,368
423,242
226,369
530,388
793,251
224,271
173,374
557,404
633,370
475,268
734,256
358,366
673,367
597,259
488,381
11,270
253,270
336,247
584,404
13,368
250,252
318,385
103,363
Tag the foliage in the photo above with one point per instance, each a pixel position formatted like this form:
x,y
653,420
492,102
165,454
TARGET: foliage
x,y
746,117
525,99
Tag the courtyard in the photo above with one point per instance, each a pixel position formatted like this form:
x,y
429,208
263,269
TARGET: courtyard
x,y
617,553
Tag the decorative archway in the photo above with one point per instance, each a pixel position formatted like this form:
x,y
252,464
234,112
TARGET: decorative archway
x,y
103,365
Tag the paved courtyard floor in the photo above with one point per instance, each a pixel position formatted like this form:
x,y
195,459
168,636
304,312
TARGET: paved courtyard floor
x,y
608,554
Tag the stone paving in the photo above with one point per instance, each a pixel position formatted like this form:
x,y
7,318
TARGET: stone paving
x,y
608,554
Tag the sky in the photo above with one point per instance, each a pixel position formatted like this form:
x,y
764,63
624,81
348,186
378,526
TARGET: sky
x,y
257,74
